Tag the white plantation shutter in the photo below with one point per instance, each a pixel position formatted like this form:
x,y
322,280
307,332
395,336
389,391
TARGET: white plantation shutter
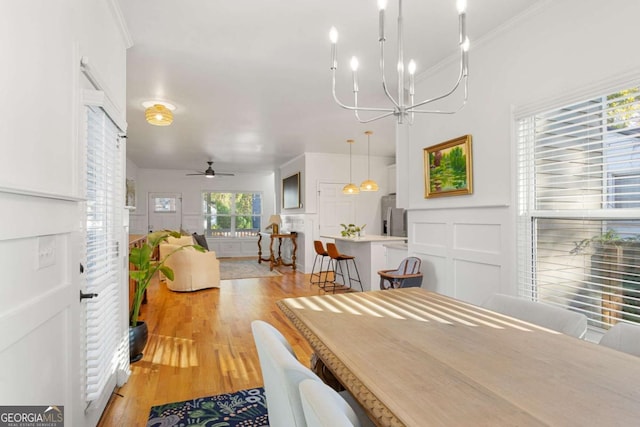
x,y
104,204
579,207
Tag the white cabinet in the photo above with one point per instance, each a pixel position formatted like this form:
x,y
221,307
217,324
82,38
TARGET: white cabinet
x,y
391,179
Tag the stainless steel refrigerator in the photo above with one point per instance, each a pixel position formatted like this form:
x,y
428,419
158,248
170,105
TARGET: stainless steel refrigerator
x,y
394,220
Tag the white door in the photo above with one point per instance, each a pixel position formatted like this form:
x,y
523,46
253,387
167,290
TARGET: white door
x,y
39,303
165,211
334,208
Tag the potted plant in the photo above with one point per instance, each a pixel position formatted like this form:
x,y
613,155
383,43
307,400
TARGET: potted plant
x,y
351,230
142,273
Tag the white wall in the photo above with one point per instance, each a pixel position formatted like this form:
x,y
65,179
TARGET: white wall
x,y
40,137
333,168
325,167
314,168
468,243
132,170
295,219
191,188
292,167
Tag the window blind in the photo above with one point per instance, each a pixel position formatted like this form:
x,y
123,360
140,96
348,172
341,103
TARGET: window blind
x,y
578,171
104,196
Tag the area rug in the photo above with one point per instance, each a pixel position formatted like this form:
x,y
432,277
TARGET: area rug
x,y
245,269
245,408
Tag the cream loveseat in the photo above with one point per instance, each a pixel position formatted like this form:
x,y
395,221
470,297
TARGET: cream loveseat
x,y
192,270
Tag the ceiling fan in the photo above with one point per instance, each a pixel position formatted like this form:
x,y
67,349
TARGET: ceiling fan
x,y
210,173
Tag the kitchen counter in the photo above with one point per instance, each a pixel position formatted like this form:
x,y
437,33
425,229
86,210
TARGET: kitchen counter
x,y
368,238
370,254
395,245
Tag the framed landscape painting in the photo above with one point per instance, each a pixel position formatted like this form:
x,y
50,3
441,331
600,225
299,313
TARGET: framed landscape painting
x,y
448,168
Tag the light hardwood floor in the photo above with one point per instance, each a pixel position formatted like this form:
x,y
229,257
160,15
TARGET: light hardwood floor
x,y
200,343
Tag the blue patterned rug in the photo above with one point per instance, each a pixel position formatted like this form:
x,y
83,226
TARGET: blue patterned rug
x,y
245,408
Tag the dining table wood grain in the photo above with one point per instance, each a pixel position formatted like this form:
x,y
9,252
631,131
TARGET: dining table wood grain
x,y
417,358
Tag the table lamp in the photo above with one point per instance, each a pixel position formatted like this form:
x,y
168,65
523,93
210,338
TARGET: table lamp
x,y
274,223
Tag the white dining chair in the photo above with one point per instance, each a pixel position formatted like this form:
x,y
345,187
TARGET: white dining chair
x,y
554,318
282,374
623,337
324,407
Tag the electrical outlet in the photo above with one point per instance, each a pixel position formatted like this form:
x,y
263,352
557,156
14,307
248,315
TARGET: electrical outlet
x,y
46,251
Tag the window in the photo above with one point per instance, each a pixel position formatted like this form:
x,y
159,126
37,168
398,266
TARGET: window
x,y
231,214
104,205
164,205
579,207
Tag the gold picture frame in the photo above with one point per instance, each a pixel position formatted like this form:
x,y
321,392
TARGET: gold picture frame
x,y
448,168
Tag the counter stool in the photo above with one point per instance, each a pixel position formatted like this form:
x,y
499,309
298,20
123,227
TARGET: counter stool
x,y
322,253
337,257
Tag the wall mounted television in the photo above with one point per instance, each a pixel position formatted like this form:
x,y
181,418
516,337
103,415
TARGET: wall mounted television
x,y
291,192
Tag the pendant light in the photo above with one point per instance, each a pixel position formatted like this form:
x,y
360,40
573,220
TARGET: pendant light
x,y
369,184
350,188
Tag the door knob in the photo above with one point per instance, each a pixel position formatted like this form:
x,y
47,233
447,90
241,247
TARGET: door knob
x,y
87,296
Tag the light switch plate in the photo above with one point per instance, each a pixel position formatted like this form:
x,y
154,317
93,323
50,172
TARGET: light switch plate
x,y
46,251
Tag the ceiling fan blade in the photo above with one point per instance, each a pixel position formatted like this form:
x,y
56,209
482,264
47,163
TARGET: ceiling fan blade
x,y
210,173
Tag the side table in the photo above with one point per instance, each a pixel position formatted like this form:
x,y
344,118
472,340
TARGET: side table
x,y
273,260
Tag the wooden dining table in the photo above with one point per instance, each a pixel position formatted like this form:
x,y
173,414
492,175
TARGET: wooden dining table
x,y
416,358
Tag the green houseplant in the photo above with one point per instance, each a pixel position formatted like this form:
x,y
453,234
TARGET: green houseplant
x,y
351,230
144,268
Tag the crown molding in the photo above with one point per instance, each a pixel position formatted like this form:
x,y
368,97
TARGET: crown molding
x,y
114,6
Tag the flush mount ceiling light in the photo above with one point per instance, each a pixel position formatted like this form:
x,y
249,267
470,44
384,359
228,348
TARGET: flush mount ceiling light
x,y
369,184
158,113
350,188
400,108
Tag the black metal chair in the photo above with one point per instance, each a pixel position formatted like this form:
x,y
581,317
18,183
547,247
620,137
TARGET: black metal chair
x,y
407,275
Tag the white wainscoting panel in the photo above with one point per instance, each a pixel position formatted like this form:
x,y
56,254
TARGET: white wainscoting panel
x,y
478,237
234,247
39,310
465,252
475,281
433,272
431,234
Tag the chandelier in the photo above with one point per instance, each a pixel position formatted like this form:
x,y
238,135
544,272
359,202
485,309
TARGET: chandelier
x,y
400,107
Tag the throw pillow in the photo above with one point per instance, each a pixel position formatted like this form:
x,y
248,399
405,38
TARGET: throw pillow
x,y
199,239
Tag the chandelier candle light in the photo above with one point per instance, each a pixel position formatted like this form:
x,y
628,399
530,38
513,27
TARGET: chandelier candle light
x,y
350,188
369,184
400,108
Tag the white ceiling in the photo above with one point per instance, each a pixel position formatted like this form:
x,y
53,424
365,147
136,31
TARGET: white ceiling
x,y
251,79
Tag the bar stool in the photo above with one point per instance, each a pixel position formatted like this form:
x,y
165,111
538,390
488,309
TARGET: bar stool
x,y
337,257
322,253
